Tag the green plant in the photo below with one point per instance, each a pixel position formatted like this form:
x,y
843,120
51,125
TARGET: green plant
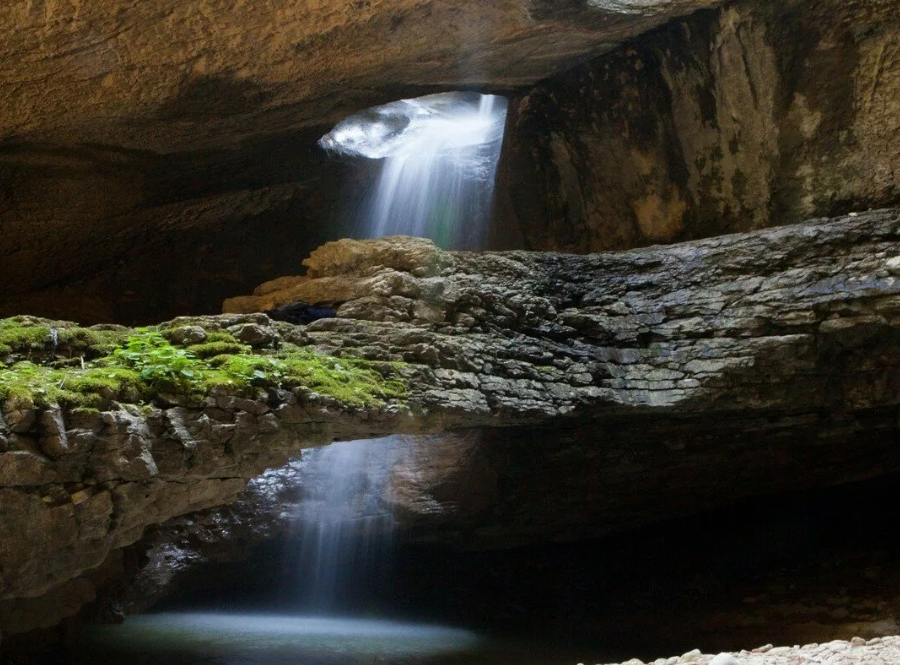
x,y
160,364
141,365
23,334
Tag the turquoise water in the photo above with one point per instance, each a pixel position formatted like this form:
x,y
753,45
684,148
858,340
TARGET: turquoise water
x,y
272,639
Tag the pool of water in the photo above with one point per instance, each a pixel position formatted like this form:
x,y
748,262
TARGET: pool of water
x,y
270,639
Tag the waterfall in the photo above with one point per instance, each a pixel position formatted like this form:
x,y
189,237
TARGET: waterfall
x,y
438,158
343,522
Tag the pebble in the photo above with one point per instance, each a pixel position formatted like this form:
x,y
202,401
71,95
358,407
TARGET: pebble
x,y
723,659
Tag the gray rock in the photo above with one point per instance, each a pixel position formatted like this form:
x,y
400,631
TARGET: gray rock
x,y
255,335
724,659
185,335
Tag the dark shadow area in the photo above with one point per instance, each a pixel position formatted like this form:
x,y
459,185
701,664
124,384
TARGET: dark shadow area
x,y
210,97
98,234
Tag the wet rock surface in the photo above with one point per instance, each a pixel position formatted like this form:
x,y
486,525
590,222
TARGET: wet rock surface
x,y
793,329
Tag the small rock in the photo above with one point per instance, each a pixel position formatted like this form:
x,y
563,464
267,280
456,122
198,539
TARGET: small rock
x,y
857,642
692,656
23,468
254,335
81,496
186,335
893,265
54,442
763,649
22,418
723,659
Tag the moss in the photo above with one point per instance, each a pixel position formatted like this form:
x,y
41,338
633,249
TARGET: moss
x,y
44,386
140,366
210,349
90,341
26,335
221,336
23,334
351,381
25,381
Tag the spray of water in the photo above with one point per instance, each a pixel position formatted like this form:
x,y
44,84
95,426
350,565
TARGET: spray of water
x,y
439,160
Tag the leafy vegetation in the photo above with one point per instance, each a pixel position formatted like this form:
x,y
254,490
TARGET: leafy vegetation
x,y
160,365
142,365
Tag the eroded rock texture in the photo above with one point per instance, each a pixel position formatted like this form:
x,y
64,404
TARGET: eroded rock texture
x,y
755,114
670,360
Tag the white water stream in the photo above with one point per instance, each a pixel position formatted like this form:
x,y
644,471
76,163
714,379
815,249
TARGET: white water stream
x,y
344,523
438,160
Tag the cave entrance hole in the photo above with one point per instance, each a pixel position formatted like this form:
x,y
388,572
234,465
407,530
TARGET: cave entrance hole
x,y
437,157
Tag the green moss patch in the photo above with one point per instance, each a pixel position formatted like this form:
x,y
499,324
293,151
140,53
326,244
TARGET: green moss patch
x,y
31,336
353,382
212,349
141,366
26,382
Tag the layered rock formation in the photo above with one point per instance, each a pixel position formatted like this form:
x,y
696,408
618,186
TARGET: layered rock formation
x,y
670,360
752,115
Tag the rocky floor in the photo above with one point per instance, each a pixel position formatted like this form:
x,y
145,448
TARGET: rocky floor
x,y
877,651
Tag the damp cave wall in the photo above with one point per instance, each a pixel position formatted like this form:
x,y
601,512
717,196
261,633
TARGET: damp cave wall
x,y
737,118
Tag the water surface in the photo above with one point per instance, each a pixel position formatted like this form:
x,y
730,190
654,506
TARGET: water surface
x,y
275,639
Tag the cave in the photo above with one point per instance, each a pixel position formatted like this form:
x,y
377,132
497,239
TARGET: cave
x,y
535,331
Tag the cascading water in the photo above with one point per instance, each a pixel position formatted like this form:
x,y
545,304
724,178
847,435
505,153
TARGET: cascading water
x,y
439,159
343,523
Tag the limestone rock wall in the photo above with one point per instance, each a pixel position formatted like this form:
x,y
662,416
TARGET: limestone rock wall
x,y
752,115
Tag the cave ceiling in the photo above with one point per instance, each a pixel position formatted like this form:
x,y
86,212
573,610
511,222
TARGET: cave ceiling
x,y
175,76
